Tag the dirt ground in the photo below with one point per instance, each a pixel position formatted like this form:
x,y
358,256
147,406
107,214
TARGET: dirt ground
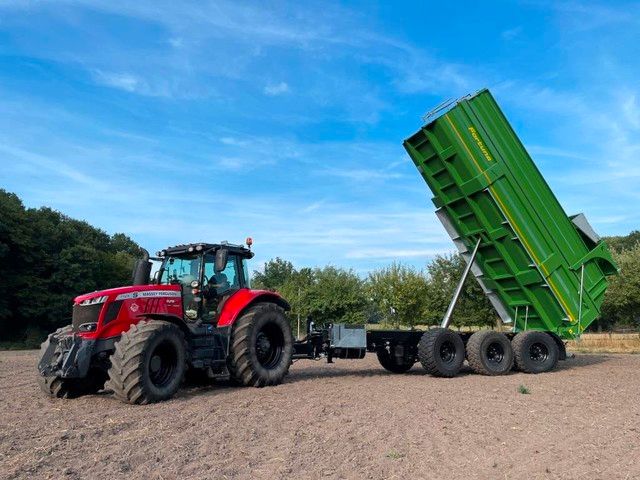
x,y
349,420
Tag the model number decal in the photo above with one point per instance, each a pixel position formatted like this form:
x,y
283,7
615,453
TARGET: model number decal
x,y
483,149
148,294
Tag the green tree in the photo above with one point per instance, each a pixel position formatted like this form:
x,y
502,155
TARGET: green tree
x,y
621,306
624,242
337,296
400,294
473,308
46,259
275,274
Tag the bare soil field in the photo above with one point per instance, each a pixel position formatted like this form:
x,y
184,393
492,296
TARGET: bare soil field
x,y
350,420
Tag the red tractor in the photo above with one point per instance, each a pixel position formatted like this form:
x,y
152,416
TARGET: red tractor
x,y
198,315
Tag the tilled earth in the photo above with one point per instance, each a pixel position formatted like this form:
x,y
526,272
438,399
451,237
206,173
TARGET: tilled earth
x,y
349,420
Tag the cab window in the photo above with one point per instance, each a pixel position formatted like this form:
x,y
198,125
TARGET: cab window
x,y
224,281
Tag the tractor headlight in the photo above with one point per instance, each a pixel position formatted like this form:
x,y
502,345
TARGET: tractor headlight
x,y
88,327
94,300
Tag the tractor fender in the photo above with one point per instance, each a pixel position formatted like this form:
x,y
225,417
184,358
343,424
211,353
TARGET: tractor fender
x,y
166,317
243,299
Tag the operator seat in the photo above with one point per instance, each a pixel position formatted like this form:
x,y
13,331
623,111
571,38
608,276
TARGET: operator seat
x,y
220,282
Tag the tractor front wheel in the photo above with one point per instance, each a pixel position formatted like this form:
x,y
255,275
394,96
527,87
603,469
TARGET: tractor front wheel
x,y
149,363
261,346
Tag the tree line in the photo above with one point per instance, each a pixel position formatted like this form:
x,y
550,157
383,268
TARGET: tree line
x,y
47,258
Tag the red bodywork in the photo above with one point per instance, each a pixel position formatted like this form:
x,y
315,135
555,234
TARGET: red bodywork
x,y
141,301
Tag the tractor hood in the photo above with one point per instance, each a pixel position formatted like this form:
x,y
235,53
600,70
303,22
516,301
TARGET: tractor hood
x,y
121,293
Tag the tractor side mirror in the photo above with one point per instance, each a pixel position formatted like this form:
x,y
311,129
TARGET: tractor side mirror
x,y
222,256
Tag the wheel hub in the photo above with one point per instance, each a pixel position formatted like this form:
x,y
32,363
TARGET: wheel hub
x,y
447,352
538,352
269,346
155,364
162,364
495,353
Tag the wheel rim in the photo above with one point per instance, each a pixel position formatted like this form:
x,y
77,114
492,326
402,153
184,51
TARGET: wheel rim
x,y
538,352
447,352
495,353
163,364
269,346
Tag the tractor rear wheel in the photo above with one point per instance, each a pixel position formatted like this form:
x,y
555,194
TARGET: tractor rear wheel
x,y
149,362
392,363
68,387
441,352
261,346
535,352
489,353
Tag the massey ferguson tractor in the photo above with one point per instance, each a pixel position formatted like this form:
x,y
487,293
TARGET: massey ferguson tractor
x,y
197,314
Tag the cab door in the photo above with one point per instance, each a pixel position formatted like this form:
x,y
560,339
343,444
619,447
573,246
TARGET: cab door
x,y
218,285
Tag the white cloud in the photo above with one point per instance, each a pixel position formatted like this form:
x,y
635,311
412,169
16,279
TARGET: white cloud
x,y
276,89
123,81
511,33
131,83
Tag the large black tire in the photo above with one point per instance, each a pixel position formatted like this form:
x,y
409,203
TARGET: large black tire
x,y
392,363
261,346
535,352
489,353
149,363
441,352
57,387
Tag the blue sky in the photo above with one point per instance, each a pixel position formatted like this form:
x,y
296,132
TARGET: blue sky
x,y
177,122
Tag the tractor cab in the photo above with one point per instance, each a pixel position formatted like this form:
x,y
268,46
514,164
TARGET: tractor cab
x,y
206,273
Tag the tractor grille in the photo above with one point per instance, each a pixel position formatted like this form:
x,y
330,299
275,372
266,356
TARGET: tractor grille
x,y
85,314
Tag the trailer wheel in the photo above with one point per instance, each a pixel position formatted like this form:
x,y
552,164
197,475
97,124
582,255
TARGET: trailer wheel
x,y
392,363
441,352
535,352
261,346
489,353
57,387
149,362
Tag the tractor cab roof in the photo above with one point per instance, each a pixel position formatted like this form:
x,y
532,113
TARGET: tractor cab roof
x,y
195,248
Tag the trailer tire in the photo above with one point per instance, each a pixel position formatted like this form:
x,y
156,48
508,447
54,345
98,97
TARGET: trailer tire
x,y
149,362
57,387
489,353
390,362
535,352
261,346
441,352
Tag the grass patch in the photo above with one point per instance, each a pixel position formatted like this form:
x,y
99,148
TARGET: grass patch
x,y
395,455
523,390
606,343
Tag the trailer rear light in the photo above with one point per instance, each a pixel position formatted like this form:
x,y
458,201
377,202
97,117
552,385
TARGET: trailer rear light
x,y
88,327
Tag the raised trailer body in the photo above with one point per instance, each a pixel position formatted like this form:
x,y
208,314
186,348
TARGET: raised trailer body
x,y
541,269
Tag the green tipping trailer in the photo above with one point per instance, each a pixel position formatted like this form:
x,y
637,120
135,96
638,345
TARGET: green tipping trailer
x,y
541,269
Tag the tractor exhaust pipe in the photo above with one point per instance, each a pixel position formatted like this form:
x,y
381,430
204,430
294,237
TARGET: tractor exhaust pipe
x,y
141,270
